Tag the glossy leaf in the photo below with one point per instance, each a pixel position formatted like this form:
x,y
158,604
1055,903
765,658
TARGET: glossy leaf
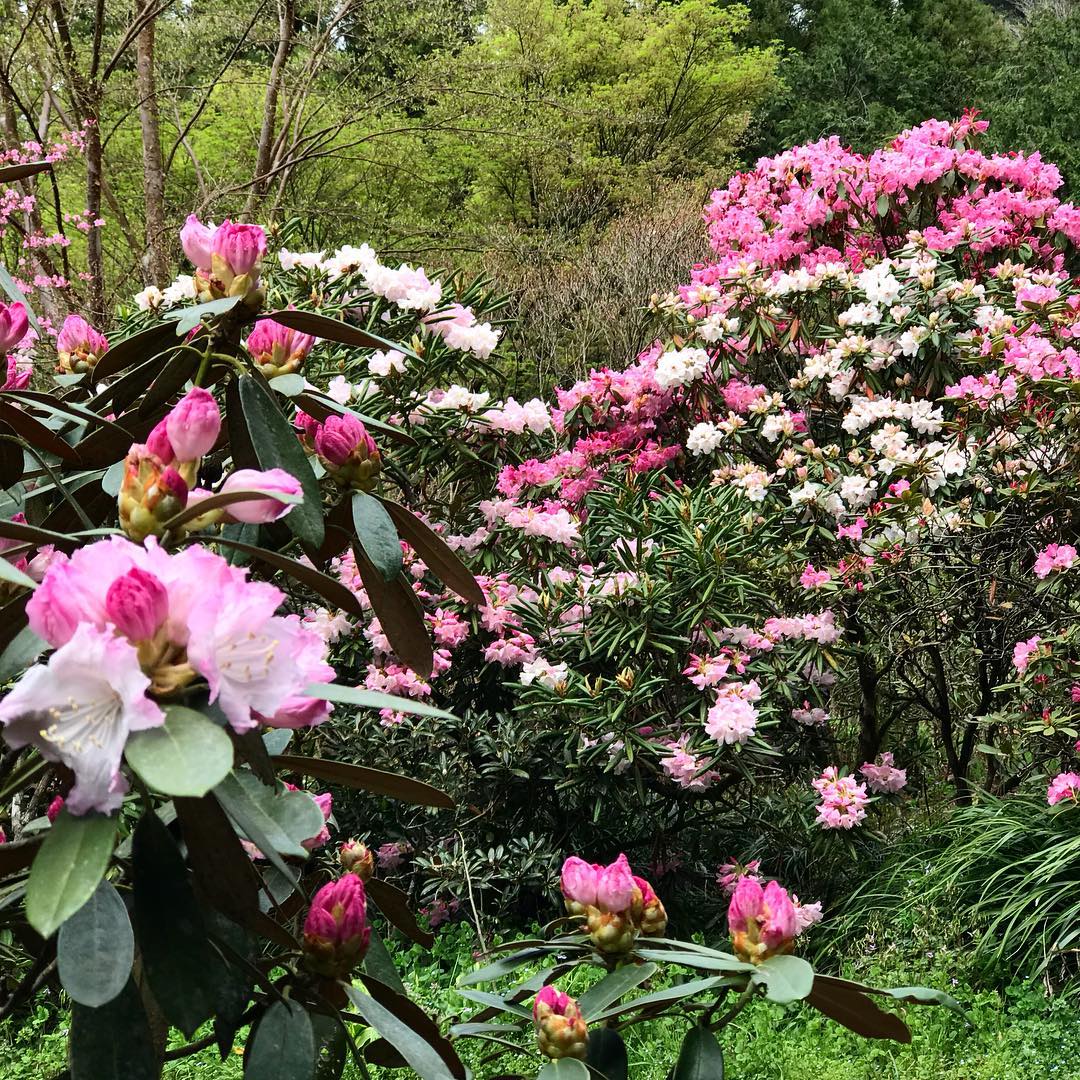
x,y
186,319
377,535
283,1045
12,459
138,348
308,322
226,498
504,966
276,446
441,560
700,1057
416,1050
379,963
36,433
606,1054
8,284
113,1041
373,699
67,870
394,904
187,755
393,785
842,1002
564,1069
785,978
678,992
179,963
95,949
10,173
331,1046
10,573
612,987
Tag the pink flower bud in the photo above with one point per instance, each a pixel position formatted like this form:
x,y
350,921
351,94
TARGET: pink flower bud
x,y
336,933
560,1028
277,349
193,425
13,324
348,451
258,511
240,247
615,887
308,426
149,494
197,241
356,858
54,808
79,345
761,921
579,881
137,604
157,442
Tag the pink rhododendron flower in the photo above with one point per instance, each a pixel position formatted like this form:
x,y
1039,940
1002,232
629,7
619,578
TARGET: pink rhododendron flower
x,y
806,915
78,709
79,346
1054,557
883,777
137,604
13,326
1023,651
1065,785
843,800
579,881
732,872
336,930
258,511
193,425
240,247
615,886
197,240
278,349
761,922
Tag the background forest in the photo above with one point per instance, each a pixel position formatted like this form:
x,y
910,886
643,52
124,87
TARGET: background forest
x,y
728,433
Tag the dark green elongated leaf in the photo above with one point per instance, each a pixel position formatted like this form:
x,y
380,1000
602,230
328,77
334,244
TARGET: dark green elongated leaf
x,y
393,785
373,699
95,949
71,862
10,573
186,319
377,535
495,1001
564,1069
671,993
251,748
331,1046
282,818
19,530
330,589
187,755
441,560
503,966
461,1030
785,978
925,995
700,1057
612,987
60,407
695,960
223,872
19,172
423,1058
176,369
275,444
408,1012
235,980
394,904
140,347
36,433
243,453
113,1042
856,1011
105,446
283,1045
378,963
307,322
399,614
606,1054
180,965
227,498
12,459
7,283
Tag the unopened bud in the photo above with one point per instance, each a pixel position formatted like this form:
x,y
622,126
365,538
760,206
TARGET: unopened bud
x,y
150,494
356,858
626,678
336,931
348,452
561,1031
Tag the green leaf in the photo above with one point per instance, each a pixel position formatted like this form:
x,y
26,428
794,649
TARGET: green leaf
x,y
222,499
564,1069
283,1045
331,1046
288,385
282,819
606,1054
495,1001
308,322
394,904
7,283
276,739
785,978
612,987
377,535
882,205
113,1042
187,755
180,965
276,446
25,647
671,993
505,965
925,995
187,319
373,699
95,949
379,963
845,1003
422,1057
393,785
10,173
12,574
71,862
700,1057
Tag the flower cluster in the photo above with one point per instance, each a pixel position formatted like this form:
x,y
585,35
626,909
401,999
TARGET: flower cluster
x,y
617,904
843,799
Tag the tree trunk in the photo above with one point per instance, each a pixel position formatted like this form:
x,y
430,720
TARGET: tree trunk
x,y
263,160
157,246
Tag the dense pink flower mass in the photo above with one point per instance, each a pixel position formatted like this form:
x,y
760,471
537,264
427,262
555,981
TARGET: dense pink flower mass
x,y
882,775
131,625
1054,557
1065,785
843,800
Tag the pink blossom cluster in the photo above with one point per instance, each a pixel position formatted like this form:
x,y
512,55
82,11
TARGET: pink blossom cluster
x,y
883,776
843,800
1054,557
1065,785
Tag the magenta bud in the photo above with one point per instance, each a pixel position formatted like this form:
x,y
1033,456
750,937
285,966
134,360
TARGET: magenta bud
x,y
193,425
579,881
336,932
13,324
137,604
79,345
55,807
240,247
197,241
615,887
157,442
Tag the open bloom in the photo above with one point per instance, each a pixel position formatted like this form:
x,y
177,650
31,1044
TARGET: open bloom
x,y
78,709
560,1028
1065,785
843,800
762,921
336,931
883,777
276,349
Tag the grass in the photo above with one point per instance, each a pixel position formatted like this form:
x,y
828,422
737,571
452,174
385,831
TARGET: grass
x,y
1014,1034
